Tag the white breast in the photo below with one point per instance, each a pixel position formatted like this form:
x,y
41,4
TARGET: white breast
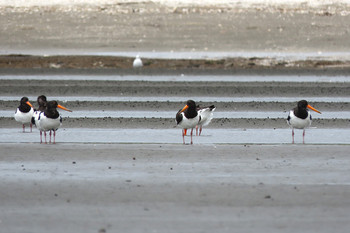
x,y
188,123
24,118
46,124
299,123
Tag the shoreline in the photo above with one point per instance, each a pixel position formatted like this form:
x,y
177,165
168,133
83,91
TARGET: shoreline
x,y
17,61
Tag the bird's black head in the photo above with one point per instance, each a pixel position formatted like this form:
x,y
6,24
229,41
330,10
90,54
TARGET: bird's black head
x,y
24,100
191,104
302,104
52,104
41,99
41,102
51,110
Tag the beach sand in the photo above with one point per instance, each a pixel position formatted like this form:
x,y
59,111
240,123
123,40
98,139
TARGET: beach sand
x,y
147,26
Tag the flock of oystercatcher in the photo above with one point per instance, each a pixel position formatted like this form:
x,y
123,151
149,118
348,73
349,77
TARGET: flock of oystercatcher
x,y
47,119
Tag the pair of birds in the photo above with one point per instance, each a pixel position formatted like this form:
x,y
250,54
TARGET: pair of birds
x,y
189,118
46,117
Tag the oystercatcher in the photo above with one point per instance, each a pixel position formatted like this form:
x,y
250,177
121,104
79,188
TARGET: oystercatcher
x,y
50,119
188,118
300,117
42,101
24,113
206,114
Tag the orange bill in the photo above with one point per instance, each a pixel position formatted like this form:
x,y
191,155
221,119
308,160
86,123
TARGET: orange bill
x,y
29,104
61,107
312,108
186,107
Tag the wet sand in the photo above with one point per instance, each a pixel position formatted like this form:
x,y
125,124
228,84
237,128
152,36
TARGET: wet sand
x,y
174,188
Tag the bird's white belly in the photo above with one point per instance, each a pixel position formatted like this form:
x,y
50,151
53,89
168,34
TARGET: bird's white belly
x,y
137,63
189,123
24,118
46,124
36,118
299,123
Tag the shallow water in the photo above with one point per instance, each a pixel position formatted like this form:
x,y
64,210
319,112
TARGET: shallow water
x,y
171,114
185,78
166,136
210,99
184,55
219,135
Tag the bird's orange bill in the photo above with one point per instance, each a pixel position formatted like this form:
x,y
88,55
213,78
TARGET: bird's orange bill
x,y
312,108
186,107
29,104
61,107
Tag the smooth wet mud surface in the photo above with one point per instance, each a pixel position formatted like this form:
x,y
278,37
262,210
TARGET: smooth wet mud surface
x,y
129,174
174,188
141,102
173,136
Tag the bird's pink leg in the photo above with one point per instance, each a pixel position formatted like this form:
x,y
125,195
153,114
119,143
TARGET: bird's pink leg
x,y
197,130
54,137
200,130
45,137
31,127
293,136
183,135
50,136
304,136
41,136
191,135
23,127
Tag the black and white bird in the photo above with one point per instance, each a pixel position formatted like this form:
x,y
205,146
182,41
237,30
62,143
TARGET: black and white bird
x,y
188,118
300,117
42,101
206,114
24,113
50,120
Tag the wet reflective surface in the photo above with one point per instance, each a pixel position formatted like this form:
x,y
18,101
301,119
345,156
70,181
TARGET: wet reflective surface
x,y
166,136
184,78
121,98
171,114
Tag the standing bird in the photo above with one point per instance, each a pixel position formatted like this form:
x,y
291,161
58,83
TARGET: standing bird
x,y
42,103
24,113
206,114
188,118
42,106
300,117
50,119
137,62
